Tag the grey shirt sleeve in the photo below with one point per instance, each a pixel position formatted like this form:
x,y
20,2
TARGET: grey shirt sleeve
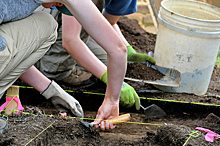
x,y
17,9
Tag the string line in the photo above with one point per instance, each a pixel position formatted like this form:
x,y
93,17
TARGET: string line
x,y
166,100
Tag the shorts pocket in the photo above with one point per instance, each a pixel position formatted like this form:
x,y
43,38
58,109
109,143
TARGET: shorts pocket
x,y
8,53
5,57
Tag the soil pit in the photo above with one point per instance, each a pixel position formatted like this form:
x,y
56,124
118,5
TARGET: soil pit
x,y
174,129
27,129
24,129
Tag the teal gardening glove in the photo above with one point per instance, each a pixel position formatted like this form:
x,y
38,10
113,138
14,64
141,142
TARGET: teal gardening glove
x,y
132,55
128,96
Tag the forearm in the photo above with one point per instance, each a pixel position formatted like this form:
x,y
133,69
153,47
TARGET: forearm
x,y
115,77
35,78
84,57
117,29
73,44
112,19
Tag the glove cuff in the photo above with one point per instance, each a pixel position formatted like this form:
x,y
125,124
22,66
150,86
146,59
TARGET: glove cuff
x,y
130,50
103,77
53,89
46,88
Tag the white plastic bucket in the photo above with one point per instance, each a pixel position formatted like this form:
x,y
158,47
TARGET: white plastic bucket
x,y
188,40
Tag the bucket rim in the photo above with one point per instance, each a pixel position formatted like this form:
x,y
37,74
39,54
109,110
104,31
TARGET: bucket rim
x,y
195,19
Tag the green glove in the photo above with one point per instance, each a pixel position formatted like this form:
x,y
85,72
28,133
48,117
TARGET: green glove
x,y
128,96
132,55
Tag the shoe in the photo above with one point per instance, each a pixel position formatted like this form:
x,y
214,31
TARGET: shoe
x,y
79,78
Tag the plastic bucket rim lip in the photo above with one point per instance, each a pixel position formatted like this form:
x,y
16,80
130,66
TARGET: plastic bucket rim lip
x,y
204,20
203,34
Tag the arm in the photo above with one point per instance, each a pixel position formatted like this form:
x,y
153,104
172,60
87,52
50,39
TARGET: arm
x,y
35,78
132,55
50,90
73,44
113,21
95,24
82,54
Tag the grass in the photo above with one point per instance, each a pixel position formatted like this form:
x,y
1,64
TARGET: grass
x,y
217,62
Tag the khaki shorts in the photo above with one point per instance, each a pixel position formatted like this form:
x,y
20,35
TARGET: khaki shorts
x,y
57,64
27,41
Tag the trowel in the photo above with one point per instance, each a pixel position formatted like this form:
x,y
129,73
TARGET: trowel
x,y
171,76
116,120
153,111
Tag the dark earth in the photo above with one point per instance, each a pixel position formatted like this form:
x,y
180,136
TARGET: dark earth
x,y
184,112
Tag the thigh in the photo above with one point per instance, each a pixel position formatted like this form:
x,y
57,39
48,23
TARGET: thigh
x,y
24,37
56,63
27,41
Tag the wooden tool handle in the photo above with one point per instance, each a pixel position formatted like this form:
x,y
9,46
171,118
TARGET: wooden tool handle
x,y
120,119
11,92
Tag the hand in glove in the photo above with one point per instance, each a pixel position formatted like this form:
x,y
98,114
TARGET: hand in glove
x,y
128,96
132,55
61,100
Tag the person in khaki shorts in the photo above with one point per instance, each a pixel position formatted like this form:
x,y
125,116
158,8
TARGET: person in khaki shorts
x,y
27,40
23,43
85,12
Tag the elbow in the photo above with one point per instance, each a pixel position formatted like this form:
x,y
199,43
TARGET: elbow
x,y
67,43
122,51
117,51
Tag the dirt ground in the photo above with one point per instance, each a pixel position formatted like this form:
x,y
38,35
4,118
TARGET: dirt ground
x,y
184,112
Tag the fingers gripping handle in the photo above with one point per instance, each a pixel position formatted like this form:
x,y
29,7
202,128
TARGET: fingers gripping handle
x,y
120,119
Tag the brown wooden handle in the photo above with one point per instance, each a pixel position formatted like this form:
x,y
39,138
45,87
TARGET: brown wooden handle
x,y
13,105
120,119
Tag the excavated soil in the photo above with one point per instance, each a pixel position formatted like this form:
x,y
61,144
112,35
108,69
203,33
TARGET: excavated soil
x,y
143,72
184,112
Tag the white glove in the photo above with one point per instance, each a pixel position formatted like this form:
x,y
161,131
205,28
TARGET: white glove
x,y
61,100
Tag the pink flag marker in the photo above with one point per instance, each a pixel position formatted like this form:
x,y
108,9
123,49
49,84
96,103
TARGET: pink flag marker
x,y
210,134
16,98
